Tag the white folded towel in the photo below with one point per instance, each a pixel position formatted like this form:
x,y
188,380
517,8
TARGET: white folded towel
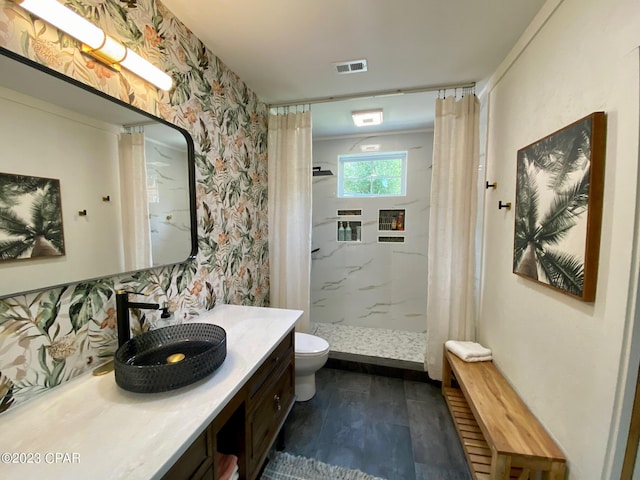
x,y
469,351
236,474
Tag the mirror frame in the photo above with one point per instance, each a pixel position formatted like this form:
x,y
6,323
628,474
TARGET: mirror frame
x,y
193,220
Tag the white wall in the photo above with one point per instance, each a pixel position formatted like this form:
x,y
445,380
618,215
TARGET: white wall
x,y
371,284
40,139
564,356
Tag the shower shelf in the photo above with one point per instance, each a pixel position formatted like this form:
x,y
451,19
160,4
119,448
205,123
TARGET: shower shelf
x,y
392,220
391,239
354,212
355,229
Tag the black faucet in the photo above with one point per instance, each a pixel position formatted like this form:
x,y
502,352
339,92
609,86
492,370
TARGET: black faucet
x,y
122,313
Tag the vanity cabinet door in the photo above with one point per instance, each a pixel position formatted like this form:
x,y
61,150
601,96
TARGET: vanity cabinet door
x,y
269,408
278,358
196,462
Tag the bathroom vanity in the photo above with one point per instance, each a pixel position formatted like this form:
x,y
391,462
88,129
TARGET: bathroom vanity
x,y
248,425
91,428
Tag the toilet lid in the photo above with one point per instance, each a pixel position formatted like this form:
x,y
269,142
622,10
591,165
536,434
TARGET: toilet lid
x,y
310,344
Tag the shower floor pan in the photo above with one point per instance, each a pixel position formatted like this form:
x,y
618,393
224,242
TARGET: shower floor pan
x,y
376,346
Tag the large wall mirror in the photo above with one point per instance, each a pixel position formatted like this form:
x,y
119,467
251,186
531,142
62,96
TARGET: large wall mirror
x,y
89,187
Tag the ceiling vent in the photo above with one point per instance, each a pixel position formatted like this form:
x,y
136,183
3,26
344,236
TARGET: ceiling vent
x,y
352,66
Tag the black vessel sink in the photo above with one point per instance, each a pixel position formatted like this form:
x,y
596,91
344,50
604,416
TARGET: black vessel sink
x,y
170,357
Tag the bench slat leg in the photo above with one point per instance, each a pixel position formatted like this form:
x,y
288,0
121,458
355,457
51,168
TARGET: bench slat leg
x,y
446,371
557,472
500,467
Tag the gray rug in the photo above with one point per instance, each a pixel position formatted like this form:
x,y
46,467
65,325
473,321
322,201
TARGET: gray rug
x,y
284,466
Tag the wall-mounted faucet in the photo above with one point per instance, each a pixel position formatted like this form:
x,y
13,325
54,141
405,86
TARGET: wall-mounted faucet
x,y
122,312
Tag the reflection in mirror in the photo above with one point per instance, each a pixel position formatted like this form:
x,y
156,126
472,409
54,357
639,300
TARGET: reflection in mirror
x,y
88,187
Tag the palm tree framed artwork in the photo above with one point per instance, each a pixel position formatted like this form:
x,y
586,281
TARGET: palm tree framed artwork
x,y
559,187
30,217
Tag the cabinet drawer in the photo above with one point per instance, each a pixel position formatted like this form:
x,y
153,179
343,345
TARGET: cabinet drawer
x,y
266,419
277,357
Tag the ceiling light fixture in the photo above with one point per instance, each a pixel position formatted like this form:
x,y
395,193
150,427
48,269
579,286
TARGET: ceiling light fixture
x,y
96,42
374,147
364,118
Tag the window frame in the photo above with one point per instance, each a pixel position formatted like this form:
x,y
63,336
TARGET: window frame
x,y
372,157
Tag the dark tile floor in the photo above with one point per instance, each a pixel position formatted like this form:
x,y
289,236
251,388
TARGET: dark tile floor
x,y
388,427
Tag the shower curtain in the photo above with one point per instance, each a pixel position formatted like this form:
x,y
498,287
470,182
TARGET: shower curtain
x,y
290,212
136,231
451,304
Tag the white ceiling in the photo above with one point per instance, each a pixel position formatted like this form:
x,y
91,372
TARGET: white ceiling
x,y
285,49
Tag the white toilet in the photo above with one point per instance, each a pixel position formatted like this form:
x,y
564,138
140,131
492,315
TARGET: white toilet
x,y
311,355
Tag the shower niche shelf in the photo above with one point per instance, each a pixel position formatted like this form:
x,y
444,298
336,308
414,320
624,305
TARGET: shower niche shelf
x,y
392,220
391,239
349,231
355,212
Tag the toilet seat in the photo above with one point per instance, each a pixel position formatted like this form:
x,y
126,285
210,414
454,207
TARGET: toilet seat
x,y
310,344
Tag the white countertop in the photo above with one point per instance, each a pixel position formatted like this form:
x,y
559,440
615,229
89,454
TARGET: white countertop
x,y
89,428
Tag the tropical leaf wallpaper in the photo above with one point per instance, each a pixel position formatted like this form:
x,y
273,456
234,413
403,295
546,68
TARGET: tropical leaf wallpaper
x,y
52,336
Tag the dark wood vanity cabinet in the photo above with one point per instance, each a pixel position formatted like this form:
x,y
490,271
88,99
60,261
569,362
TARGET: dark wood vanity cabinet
x,y
197,461
249,424
270,398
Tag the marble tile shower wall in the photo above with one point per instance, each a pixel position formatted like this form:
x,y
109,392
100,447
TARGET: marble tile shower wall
x,y
52,336
366,283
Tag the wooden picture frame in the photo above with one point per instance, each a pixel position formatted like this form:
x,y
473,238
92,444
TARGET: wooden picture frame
x,y
559,190
30,218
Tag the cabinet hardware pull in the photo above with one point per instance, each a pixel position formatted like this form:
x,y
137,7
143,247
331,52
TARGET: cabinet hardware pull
x,y
276,397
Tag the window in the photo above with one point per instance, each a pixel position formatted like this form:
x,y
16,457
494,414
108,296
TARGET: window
x,y
372,174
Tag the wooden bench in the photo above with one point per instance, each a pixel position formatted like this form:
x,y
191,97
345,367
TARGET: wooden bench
x,y
500,436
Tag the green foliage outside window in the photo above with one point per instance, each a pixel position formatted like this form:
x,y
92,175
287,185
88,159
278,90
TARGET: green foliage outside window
x,y
370,175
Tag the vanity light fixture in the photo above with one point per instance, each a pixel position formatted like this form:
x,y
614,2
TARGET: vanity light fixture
x,y
96,42
364,118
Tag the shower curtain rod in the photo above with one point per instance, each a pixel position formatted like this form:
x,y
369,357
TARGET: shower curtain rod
x,y
379,93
